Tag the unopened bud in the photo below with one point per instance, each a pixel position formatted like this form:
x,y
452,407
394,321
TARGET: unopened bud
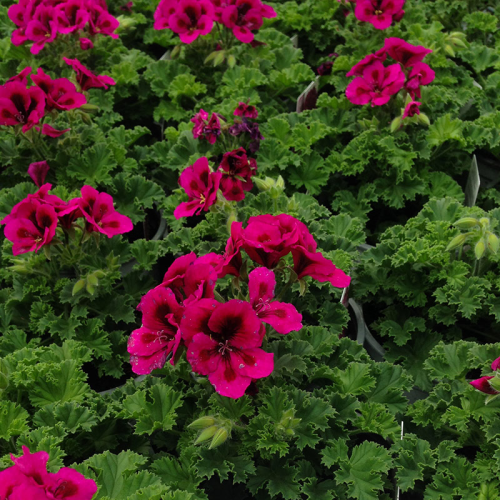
x,y
202,423
263,184
206,434
466,223
396,124
92,279
449,50
484,221
492,242
231,61
457,241
79,285
479,249
176,52
219,438
280,182
423,119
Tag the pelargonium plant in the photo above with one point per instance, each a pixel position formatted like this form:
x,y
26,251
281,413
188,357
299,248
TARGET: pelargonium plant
x,y
34,221
41,22
379,13
28,479
225,338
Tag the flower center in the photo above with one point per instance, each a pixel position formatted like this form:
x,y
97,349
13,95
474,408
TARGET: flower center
x,y
223,347
378,12
261,305
202,199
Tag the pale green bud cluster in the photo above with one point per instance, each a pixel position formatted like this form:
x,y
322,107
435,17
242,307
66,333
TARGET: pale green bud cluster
x,y
212,428
288,423
273,186
453,41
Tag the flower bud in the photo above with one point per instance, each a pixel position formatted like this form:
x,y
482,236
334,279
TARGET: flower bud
x,y
484,222
466,223
79,285
457,241
206,434
280,183
263,184
396,123
202,423
423,119
231,61
449,50
492,242
479,249
219,438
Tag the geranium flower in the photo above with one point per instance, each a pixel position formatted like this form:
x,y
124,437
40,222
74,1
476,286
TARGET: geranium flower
x,y
376,85
237,171
100,213
28,479
163,12
21,106
101,21
420,74
357,69
325,68
404,52
201,185
245,16
86,79
42,28
159,334
70,16
38,171
411,109
50,131
86,43
246,110
191,19
22,77
314,264
379,13
60,93
200,122
482,384
283,317
33,226
224,343
231,260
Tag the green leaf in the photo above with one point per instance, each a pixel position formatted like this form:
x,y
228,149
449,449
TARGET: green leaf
x,y
14,419
444,129
356,379
278,478
71,415
309,174
94,166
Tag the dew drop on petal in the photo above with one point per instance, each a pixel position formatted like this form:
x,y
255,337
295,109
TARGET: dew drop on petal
x,y
241,366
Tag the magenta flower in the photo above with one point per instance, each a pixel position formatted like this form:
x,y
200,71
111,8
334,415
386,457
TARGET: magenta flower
x,y
60,93
379,13
100,213
204,129
325,68
224,343
283,317
201,186
245,16
246,110
231,260
159,334
101,21
404,52
28,479
42,28
411,109
86,43
50,131
314,264
163,12
191,19
33,226
38,171
483,384
237,171
86,79
21,106
22,77
357,69
377,84
70,16
420,74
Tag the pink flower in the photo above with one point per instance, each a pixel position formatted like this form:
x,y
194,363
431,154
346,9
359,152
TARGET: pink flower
x,y
420,74
357,69
127,7
245,16
101,21
283,317
376,85
42,28
411,109
60,93
325,68
314,264
50,131
404,52
191,19
231,260
28,479
200,121
246,110
483,384
86,43
163,12
201,186
224,343
86,79
380,13
70,16
21,106
33,226
159,335
22,77
38,171
237,172
495,364
100,214
206,130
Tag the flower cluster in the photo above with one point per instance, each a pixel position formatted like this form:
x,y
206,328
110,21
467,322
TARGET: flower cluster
x,y
223,340
28,479
489,384
40,21
86,79
33,222
376,83
26,107
192,18
243,126
379,13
